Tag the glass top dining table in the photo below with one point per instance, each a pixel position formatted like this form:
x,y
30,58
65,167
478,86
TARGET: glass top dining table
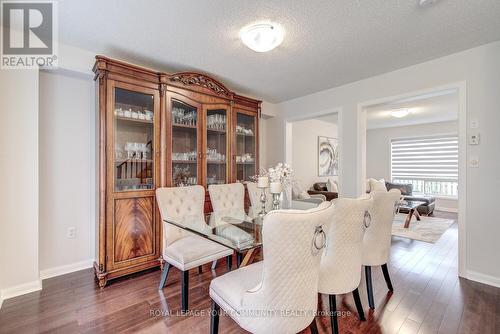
x,y
233,229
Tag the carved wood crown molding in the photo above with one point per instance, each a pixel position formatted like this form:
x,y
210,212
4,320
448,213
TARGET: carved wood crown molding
x,y
188,78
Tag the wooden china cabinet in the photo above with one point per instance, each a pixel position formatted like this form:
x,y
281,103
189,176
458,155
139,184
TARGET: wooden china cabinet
x,y
161,130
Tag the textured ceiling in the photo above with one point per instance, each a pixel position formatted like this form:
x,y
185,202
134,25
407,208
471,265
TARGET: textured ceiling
x,y
430,108
327,42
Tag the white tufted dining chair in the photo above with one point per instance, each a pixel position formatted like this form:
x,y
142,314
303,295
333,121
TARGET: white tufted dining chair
x,y
377,238
260,297
228,200
254,194
182,249
340,269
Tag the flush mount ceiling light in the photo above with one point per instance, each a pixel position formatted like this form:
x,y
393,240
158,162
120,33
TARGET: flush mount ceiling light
x,y
423,3
400,113
262,37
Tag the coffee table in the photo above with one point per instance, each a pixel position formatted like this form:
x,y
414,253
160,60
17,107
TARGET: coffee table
x,y
411,206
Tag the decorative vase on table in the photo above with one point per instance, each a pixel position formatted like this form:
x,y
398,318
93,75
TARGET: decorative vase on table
x,y
283,174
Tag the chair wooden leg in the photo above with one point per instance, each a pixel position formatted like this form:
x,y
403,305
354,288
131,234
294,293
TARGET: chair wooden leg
x,y
164,275
387,277
333,314
313,327
369,287
214,318
229,260
185,290
359,306
239,258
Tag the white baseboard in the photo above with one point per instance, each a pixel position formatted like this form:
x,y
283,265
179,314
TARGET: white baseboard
x,y
482,278
21,289
454,210
66,269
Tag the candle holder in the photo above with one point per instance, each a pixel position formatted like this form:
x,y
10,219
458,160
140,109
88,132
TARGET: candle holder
x,y
263,199
276,201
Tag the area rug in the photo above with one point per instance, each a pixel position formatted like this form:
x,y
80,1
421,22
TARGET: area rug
x,y
429,229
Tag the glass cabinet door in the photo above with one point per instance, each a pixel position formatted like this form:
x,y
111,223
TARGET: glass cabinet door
x,y
133,140
184,144
246,144
216,138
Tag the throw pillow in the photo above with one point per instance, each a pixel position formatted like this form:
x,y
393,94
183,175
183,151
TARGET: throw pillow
x,y
331,186
377,185
303,195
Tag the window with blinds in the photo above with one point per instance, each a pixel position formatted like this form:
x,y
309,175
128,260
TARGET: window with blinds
x,y
429,163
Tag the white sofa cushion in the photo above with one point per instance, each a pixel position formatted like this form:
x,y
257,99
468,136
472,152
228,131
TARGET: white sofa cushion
x,y
193,250
377,185
303,195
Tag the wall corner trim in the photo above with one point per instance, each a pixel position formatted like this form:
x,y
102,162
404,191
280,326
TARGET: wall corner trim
x,y
21,289
66,269
483,278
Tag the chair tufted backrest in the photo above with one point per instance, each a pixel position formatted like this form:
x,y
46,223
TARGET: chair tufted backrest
x,y
340,270
227,196
291,270
177,204
254,194
377,238
227,200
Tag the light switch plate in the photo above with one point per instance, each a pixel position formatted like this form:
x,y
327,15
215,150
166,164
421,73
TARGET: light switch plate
x,y
474,139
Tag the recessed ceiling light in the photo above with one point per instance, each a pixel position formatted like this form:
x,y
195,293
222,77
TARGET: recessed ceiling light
x,y
262,37
400,113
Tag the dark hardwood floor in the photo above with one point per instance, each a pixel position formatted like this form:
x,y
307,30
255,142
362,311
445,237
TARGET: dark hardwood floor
x,y
428,298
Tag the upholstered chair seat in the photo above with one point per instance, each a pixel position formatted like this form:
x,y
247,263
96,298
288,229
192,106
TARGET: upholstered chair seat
x,y
182,249
192,251
260,297
340,269
229,290
377,238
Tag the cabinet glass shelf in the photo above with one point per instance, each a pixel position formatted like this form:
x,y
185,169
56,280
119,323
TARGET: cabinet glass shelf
x,y
133,140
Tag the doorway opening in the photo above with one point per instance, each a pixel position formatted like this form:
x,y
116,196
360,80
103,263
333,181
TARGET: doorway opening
x,y
312,149
416,142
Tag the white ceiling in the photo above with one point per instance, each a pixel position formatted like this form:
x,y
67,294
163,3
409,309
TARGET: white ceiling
x,y
327,42
430,108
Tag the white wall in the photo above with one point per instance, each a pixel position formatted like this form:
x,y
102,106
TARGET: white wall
x,y
19,171
305,149
67,171
480,68
378,151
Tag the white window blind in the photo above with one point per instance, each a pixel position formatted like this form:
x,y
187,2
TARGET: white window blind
x,y
429,163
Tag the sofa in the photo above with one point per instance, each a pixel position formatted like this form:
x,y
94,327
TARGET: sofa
x,y
300,195
407,193
319,188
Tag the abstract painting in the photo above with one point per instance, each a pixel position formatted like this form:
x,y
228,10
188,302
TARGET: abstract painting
x,y
328,156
